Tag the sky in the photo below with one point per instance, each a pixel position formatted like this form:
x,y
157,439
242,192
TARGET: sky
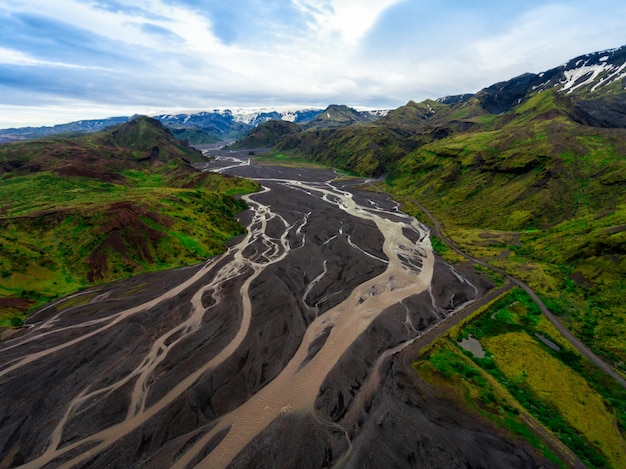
x,y
68,60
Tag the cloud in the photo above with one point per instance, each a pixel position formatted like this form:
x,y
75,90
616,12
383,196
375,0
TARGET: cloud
x,y
18,58
345,20
435,51
199,54
533,39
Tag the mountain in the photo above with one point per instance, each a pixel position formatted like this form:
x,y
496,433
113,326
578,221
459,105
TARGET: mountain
x,y
102,155
541,156
589,76
298,117
206,127
267,134
599,72
591,90
455,99
335,116
83,126
272,132
366,150
411,115
219,125
197,128
103,206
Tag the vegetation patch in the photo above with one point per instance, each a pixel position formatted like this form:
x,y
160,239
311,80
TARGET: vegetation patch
x,y
561,398
289,159
456,377
138,209
538,371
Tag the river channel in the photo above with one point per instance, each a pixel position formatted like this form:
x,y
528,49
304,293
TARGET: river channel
x,y
273,354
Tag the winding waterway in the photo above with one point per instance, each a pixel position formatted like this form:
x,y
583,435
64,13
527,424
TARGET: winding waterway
x,y
199,367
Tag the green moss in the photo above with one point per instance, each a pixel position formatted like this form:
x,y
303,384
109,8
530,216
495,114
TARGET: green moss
x,y
446,368
52,227
566,393
558,397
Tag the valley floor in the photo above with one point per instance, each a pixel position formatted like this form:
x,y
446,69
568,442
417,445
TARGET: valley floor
x,y
288,350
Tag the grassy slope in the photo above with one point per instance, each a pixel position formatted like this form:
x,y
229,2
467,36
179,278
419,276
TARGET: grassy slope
x,y
364,149
541,197
111,217
521,374
267,134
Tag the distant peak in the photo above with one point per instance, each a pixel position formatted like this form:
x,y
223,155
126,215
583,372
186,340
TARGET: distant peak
x,y
454,99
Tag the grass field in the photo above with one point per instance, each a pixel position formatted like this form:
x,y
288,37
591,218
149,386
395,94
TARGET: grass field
x,y
60,234
529,368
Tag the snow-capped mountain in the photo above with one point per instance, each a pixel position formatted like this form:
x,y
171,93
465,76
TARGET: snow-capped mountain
x,y
247,116
588,77
296,116
455,99
594,73
198,127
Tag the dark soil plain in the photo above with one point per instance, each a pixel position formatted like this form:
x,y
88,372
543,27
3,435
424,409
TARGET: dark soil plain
x,y
226,363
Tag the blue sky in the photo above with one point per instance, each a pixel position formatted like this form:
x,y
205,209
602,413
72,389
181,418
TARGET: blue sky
x,y
67,60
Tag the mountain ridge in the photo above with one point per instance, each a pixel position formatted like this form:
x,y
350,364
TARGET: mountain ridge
x,y
197,127
538,163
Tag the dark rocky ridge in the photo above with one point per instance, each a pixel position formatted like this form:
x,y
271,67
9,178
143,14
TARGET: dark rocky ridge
x,y
335,116
267,134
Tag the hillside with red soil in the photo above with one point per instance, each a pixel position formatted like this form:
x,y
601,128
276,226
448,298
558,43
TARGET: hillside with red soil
x,y
79,211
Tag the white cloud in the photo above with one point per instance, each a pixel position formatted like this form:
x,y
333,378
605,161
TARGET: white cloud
x,y
15,57
126,27
347,20
445,55
161,53
538,33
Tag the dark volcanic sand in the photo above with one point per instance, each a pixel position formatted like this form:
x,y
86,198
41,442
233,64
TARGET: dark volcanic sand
x,y
279,353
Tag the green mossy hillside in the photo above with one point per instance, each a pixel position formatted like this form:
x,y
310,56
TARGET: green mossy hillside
x,y
267,134
526,367
75,212
519,177
140,143
142,138
557,187
361,149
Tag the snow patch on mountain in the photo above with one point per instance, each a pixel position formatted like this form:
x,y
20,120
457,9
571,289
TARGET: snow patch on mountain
x,y
590,72
581,76
252,116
